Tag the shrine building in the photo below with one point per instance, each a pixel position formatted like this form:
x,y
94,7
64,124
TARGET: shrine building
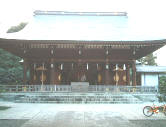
x,y
100,48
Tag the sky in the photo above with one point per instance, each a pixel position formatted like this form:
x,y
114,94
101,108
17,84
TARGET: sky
x,y
12,12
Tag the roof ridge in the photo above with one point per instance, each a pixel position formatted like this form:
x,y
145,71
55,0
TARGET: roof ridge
x,y
40,12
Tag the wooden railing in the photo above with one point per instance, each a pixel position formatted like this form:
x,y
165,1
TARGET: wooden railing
x,y
68,88
125,89
35,88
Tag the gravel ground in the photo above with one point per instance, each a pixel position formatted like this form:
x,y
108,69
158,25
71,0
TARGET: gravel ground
x,y
136,123
12,122
149,123
78,115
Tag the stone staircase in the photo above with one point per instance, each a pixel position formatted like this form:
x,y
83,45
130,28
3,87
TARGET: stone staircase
x,y
73,98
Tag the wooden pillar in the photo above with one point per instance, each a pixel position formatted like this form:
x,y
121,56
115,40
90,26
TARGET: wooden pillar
x,y
34,74
99,74
79,70
134,73
25,67
56,75
116,74
52,72
128,75
31,74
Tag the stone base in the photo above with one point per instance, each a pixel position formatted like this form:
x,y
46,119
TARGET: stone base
x,y
79,86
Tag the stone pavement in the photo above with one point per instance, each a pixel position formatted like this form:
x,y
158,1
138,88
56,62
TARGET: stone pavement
x,y
76,115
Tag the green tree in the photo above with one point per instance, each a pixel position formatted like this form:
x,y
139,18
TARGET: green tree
x,y
148,60
11,71
162,88
16,28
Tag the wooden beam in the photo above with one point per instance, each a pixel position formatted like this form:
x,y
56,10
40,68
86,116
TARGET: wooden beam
x,y
134,73
84,60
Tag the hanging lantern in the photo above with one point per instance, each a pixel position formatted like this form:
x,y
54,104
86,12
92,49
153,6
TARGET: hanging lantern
x,y
134,51
124,67
124,78
52,51
52,65
99,78
59,77
87,66
61,66
43,65
107,52
107,66
116,67
79,52
97,66
116,77
42,77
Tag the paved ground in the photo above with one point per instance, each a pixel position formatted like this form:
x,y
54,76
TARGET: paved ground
x,y
76,115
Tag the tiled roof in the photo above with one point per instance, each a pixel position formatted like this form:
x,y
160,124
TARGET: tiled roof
x,y
146,68
85,26
38,12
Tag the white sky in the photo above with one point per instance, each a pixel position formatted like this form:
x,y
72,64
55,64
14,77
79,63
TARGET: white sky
x,y
12,12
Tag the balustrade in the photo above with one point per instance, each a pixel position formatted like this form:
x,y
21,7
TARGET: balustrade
x,y
68,88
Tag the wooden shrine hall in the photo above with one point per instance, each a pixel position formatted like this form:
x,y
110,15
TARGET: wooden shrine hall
x,y
95,47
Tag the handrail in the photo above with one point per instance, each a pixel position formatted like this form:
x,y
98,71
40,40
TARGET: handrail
x,y
68,88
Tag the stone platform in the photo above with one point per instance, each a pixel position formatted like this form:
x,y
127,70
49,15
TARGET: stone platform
x,y
79,86
77,98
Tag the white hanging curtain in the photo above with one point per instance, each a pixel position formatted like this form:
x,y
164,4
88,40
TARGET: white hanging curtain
x,y
87,66
124,67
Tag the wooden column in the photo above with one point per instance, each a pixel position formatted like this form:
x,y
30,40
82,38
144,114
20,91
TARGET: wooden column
x,y
99,74
79,70
34,74
31,74
25,67
128,75
134,73
52,72
56,74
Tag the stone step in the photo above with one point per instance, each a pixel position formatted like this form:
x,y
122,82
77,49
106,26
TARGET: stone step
x,y
79,99
80,102
101,98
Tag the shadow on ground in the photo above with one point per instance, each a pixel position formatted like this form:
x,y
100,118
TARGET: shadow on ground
x,y
149,123
12,122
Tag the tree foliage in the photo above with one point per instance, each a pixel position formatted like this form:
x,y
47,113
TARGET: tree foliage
x,y
148,60
11,71
162,88
16,28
